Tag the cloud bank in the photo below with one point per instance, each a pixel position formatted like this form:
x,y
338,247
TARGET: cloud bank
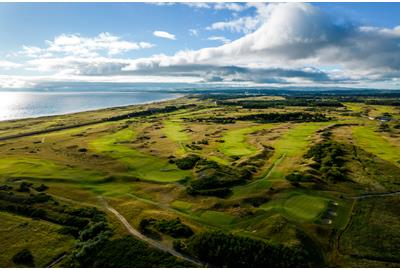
x,y
283,43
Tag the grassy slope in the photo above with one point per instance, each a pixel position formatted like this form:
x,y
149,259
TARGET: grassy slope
x,y
40,237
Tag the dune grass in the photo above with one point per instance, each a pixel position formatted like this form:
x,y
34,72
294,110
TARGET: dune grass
x,y
139,164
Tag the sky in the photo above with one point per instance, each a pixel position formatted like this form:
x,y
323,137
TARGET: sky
x,y
234,44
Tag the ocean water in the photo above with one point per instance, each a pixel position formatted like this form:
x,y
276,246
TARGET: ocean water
x,y
18,105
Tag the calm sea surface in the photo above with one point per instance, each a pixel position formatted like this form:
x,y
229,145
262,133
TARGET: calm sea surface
x,y
17,105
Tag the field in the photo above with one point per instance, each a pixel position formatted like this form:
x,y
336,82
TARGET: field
x,y
208,162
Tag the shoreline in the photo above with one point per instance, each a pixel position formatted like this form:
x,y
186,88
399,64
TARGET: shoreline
x,y
176,96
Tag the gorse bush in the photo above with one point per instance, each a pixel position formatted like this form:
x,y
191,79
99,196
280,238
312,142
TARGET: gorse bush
x,y
220,249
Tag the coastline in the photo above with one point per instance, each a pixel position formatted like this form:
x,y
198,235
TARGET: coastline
x,y
45,124
72,112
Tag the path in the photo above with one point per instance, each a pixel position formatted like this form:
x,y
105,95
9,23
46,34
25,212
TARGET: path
x,y
144,238
385,194
59,259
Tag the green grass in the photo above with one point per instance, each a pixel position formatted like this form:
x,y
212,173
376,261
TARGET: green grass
x,y
40,237
235,141
298,206
181,205
139,164
174,131
46,170
373,142
219,160
217,218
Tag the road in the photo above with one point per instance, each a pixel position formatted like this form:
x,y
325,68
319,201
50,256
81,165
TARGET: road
x,y
142,237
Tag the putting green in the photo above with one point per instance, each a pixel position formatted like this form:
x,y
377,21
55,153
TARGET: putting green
x,y
216,218
181,205
298,206
141,165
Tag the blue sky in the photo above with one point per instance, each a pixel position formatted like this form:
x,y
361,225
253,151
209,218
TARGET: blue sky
x,y
212,43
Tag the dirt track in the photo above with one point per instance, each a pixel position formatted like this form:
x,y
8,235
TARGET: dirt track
x,y
142,237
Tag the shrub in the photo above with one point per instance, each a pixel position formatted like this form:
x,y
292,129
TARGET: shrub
x,y
187,163
24,187
41,188
23,257
221,249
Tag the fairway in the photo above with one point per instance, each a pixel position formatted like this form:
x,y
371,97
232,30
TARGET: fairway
x,y
289,149
174,131
298,206
373,142
235,141
46,170
139,164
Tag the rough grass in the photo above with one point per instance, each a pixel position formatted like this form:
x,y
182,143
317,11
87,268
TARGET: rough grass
x,y
40,237
374,232
139,164
298,206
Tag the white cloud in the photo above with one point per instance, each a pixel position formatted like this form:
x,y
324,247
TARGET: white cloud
x,y
193,32
163,34
197,4
243,24
8,65
296,35
75,44
219,38
230,6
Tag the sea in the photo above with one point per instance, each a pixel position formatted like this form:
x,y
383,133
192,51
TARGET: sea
x,y
20,105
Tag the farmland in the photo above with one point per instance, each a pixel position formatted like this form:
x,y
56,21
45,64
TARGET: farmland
x,y
265,171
